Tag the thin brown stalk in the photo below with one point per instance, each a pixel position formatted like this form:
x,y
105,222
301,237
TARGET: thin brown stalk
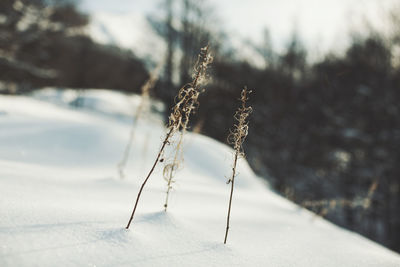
x,y
143,102
186,102
165,142
236,138
145,149
230,196
169,169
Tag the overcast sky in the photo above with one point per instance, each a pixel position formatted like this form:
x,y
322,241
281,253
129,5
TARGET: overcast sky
x,y
322,24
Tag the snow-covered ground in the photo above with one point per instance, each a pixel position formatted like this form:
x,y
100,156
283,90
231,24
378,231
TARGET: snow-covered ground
x,y
61,203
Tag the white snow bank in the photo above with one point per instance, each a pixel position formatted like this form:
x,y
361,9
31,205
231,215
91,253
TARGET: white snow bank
x,y
61,203
102,101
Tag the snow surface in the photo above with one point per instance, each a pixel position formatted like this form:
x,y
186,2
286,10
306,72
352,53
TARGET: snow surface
x,y
61,202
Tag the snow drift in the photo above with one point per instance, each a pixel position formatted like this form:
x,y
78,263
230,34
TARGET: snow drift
x,y
62,204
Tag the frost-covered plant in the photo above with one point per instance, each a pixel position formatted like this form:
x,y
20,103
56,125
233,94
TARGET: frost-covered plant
x,y
145,95
186,102
236,138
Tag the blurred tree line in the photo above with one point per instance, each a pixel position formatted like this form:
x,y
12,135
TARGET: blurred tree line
x,y
43,43
324,130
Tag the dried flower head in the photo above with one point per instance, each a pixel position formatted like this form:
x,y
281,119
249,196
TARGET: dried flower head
x,y
187,99
240,130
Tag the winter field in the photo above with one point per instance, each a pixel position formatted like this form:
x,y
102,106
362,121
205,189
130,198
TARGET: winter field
x,y
62,203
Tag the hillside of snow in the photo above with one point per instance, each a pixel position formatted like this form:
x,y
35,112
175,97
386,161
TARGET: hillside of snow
x,y
130,31
62,203
133,31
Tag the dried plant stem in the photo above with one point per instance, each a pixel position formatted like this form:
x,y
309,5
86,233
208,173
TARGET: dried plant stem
x,y
186,102
173,168
236,138
145,149
230,197
148,85
122,164
166,141
178,150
